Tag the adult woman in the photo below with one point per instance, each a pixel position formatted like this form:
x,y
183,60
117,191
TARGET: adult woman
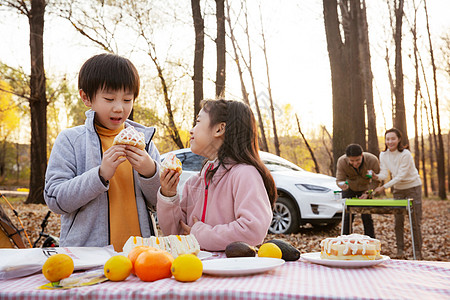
x,y
405,181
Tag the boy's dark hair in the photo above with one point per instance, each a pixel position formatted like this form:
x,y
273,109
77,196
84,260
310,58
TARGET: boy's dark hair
x,y
108,71
241,138
398,133
354,150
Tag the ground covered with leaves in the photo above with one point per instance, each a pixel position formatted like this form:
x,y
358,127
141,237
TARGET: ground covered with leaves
x,y
435,230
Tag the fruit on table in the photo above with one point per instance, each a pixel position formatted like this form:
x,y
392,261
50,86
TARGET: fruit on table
x,y
153,265
187,268
118,268
239,249
134,253
289,252
57,267
270,250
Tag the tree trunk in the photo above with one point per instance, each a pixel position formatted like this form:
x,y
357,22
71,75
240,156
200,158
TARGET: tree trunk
x,y
276,141
262,135
372,137
339,79
424,169
330,155
440,155
430,152
221,49
199,28
356,82
416,91
308,146
400,114
236,56
38,104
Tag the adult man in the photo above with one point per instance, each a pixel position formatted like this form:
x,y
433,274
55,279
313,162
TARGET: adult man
x,y
354,177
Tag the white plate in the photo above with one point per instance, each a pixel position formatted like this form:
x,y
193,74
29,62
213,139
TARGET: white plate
x,y
204,255
238,266
315,258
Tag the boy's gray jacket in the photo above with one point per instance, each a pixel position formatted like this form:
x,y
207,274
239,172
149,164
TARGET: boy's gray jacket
x,y
73,187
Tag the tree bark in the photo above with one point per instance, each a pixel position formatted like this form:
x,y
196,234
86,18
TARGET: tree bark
x,y
339,79
400,113
440,155
38,103
199,28
221,49
308,146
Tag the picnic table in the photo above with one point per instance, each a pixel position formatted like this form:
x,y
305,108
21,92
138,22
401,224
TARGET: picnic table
x,y
392,279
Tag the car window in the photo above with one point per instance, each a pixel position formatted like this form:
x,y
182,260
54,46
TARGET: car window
x,y
278,165
191,161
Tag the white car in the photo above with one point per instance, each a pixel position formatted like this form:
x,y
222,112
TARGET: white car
x,y
303,197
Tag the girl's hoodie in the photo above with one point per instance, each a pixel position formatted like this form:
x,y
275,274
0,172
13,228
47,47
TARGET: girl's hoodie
x,y
237,208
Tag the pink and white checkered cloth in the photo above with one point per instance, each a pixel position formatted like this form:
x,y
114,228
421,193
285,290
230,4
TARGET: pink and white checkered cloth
x,y
394,279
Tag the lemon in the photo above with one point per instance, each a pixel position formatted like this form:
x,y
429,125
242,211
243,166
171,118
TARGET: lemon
x,y
118,268
270,250
57,267
187,267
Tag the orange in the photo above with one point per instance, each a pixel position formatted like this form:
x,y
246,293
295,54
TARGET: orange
x,y
153,265
134,253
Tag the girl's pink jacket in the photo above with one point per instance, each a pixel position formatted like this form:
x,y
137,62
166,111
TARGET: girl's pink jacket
x,y
238,208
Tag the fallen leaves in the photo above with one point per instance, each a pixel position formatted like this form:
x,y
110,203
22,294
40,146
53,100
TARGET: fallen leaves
x,y
435,230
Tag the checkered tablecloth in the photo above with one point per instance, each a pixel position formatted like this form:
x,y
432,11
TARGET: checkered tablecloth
x,y
394,279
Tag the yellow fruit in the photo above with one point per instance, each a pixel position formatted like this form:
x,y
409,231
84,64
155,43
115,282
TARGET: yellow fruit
x,y
57,267
270,250
187,267
118,268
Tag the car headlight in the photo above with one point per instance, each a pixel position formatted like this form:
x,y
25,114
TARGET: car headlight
x,y
312,188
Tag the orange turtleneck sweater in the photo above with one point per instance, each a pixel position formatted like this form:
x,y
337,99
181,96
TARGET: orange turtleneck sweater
x,y
123,215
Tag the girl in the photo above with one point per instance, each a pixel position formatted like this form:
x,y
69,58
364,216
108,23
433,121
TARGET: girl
x,y
405,181
232,197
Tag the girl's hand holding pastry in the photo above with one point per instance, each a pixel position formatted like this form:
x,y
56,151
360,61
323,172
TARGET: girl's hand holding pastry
x,y
169,181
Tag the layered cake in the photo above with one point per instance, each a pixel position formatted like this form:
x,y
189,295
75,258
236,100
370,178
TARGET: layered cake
x,y
350,247
174,244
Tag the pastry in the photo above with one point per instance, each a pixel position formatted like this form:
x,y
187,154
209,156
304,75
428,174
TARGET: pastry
x,y
350,247
171,162
130,136
174,244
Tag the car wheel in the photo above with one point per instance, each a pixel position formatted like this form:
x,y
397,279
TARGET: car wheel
x,y
286,218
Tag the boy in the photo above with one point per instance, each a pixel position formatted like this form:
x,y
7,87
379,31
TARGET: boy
x,y
102,191
356,167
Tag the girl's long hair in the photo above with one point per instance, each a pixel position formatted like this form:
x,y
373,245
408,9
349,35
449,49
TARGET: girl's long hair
x,y
240,143
398,133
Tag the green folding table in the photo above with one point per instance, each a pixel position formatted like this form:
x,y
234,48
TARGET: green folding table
x,y
380,206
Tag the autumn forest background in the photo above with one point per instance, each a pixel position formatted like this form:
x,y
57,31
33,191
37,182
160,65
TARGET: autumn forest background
x,y
393,74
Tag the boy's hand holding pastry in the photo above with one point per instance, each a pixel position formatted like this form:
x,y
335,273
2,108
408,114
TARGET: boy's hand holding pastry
x,y
141,161
112,158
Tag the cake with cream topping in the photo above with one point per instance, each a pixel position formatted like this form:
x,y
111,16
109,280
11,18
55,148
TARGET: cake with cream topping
x,y
350,247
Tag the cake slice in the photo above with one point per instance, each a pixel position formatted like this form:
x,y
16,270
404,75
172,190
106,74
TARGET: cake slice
x,y
350,247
